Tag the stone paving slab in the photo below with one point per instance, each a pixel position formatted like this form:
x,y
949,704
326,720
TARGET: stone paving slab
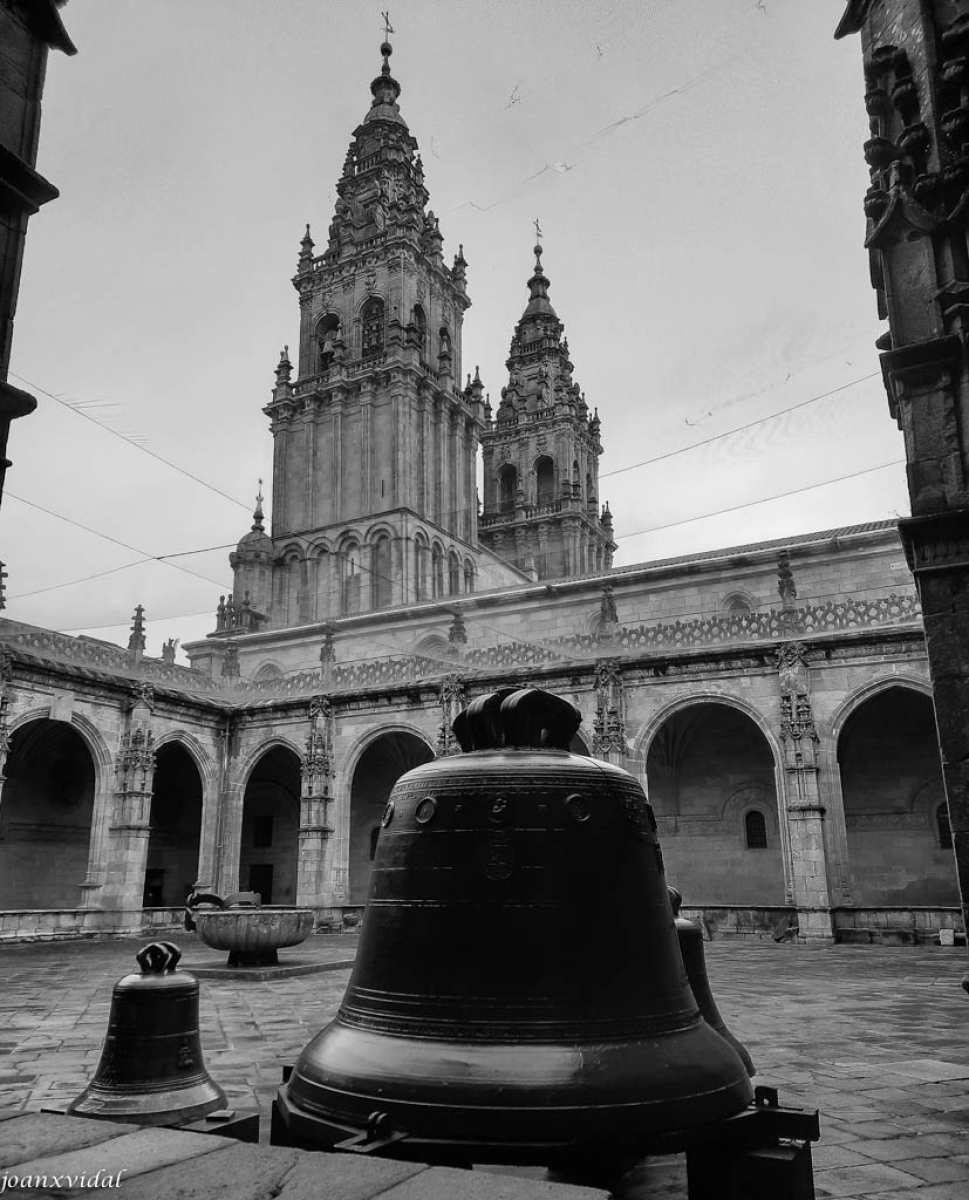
x,y
875,1037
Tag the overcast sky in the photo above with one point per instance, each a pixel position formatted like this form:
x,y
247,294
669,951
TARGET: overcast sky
x,y
697,169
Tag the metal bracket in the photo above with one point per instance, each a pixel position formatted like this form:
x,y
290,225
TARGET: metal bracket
x,y
376,1137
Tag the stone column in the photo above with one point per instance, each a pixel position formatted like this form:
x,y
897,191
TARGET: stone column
x,y
917,209
804,810
219,871
130,827
314,887
609,725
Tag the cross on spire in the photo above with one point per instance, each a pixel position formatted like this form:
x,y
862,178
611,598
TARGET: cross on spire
x,y
538,232
388,28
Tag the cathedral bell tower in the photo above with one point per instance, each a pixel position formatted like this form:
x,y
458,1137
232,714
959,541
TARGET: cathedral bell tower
x,y
541,455
374,441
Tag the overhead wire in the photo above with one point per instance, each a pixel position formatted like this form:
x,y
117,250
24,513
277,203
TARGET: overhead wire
x,y
131,441
454,513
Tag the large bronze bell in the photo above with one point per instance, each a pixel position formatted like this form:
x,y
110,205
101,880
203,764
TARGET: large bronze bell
x,y
518,993
151,1070
694,960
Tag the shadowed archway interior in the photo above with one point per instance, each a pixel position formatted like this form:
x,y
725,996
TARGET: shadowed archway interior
x,y
708,768
380,766
45,816
891,781
171,866
270,827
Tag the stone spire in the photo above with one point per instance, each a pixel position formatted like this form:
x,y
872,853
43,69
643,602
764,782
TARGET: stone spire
x,y
541,453
136,641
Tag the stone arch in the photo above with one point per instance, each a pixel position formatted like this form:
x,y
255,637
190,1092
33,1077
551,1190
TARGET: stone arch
x,y
738,602
454,574
254,755
327,334
890,771
381,544
419,321
267,672
434,645
373,320
175,826
507,480
858,697
269,841
544,471
648,730
438,570
373,767
422,566
47,817
200,756
708,763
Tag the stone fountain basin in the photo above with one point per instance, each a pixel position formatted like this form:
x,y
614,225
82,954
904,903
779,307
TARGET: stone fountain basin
x,y
253,935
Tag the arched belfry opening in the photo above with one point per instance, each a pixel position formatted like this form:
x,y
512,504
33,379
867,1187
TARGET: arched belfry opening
x,y
327,333
171,864
45,816
372,327
507,487
270,827
544,482
891,782
711,781
380,766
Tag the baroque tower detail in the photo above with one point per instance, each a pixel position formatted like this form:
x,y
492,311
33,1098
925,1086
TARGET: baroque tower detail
x,y
375,443
541,455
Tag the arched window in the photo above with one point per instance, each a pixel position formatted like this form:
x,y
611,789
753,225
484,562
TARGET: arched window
x,y
372,319
327,333
735,604
943,827
454,574
421,565
382,582
437,566
507,487
545,481
420,329
755,830
468,576
351,579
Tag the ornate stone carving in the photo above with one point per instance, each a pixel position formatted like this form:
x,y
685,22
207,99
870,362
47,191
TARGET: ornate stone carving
x,y
452,700
609,725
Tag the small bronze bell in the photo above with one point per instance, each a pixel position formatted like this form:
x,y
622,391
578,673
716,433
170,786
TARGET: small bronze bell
x,y
518,994
151,1070
694,959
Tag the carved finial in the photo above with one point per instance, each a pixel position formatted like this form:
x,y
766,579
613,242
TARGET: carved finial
x,y
386,49
257,516
137,639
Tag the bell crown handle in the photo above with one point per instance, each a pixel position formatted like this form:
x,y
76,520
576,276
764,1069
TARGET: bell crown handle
x,y
517,717
158,958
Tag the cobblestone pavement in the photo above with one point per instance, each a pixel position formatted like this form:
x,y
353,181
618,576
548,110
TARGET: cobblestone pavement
x,y
876,1038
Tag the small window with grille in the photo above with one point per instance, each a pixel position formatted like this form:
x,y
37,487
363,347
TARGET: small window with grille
x,y
755,830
